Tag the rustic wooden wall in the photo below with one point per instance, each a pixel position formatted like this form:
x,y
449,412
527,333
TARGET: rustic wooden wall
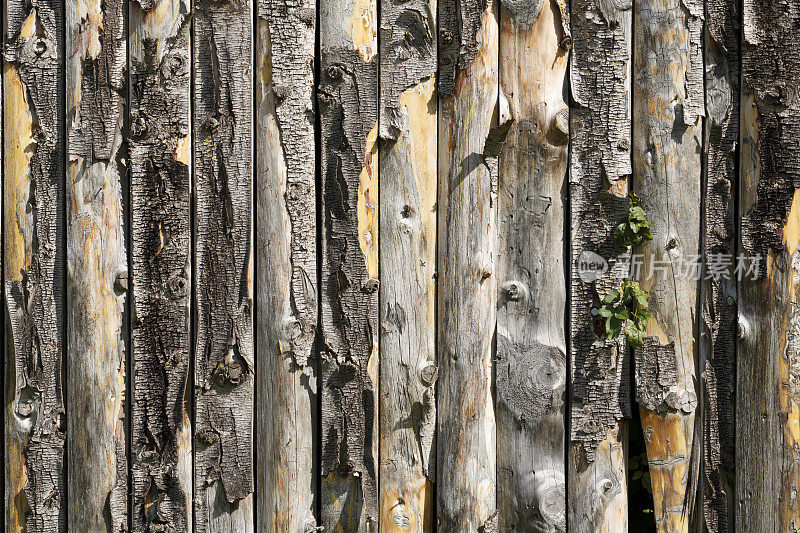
x,y
298,265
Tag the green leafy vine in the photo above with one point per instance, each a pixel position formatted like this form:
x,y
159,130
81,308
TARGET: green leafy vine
x,y
636,229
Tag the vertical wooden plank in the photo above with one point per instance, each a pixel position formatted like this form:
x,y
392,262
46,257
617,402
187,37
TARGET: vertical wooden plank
x,y
97,267
348,101
531,356
718,370
160,153
668,101
408,263
467,158
224,364
768,380
286,306
600,167
34,265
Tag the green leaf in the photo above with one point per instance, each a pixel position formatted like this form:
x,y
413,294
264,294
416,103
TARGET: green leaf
x,y
637,475
605,311
622,314
611,297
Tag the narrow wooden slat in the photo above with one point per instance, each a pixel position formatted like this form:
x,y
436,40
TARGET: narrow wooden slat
x,y
531,373
408,263
348,102
718,366
600,167
33,207
97,268
668,99
286,266
160,154
467,159
768,355
224,359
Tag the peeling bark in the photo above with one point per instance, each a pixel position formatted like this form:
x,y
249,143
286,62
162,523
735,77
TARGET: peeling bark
x,y
767,456
600,167
286,307
33,205
723,32
531,363
160,155
408,262
224,359
96,263
348,100
466,478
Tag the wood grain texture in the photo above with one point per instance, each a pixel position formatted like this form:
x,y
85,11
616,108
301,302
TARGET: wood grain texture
x,y
160,159
97,267
467,158
531,372
667,150
35,247
767,401
408,263
600,167
224,359
286,264
717,359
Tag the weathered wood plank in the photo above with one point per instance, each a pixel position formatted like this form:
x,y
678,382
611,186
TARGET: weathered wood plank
x,y
717,367
348,100
97,267
224,359
408,263
531,356
160,125
286,266
668,99
467,158
600,167
35,248
768,382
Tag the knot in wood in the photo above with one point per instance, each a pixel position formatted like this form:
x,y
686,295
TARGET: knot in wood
x,y
40,47
515,290
428,374
121,282
370,286
281,93
173,66
139,124
207,437
211,124
446,37
623,145
229,373
178,286
334,72
24,408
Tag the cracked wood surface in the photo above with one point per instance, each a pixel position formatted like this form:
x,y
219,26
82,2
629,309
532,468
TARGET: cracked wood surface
x,y
286,260
408,262
224,359
96,267
348,106
160,159
717,342
466,479
668,100
600,167
531,373
34,241
768,414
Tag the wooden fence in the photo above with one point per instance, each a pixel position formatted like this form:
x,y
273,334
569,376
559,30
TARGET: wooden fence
x,y
352,265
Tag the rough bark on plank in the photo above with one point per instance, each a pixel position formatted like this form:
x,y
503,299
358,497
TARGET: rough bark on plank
x,y
34,266
722,36
97,267
224,359
408,263
768,380
668,97
160,154
286,306
531,357
466,480
348,100
600,166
